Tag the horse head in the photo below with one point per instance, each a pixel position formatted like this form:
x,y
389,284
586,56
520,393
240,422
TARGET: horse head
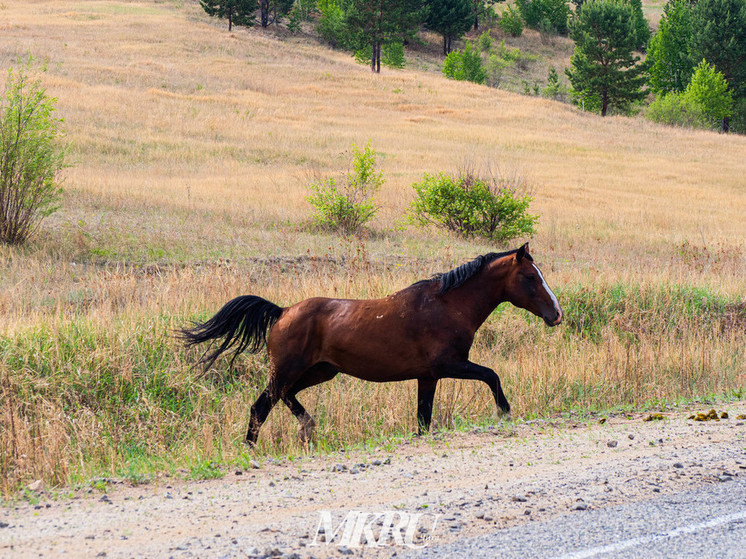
x,y
527,289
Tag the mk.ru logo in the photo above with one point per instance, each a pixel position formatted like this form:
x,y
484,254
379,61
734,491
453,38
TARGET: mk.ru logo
x,y
374,529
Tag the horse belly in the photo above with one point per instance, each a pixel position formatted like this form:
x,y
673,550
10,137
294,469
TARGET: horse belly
x,y
383,354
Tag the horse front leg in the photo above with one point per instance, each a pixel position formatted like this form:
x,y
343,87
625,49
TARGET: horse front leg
x,y
471,371
425,396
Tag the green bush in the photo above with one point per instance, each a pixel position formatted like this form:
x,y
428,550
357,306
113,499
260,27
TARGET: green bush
x,y
471,206
494,69
677,109
511,22
465,65
485,42
554,89
515,56
349,207
31,156
502,57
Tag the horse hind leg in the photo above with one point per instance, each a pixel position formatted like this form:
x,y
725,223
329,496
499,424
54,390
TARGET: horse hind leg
x,y
318,374
259,412
307,424
283,376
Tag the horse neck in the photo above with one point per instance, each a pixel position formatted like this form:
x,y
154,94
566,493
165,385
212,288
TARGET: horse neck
x,y
481,294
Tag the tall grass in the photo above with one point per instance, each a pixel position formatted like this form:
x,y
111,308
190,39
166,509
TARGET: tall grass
x,y
103,392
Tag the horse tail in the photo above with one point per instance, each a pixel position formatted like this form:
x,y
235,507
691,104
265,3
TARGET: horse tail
x,y
242,324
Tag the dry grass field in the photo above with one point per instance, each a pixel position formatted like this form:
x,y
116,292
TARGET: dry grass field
x,y
193,148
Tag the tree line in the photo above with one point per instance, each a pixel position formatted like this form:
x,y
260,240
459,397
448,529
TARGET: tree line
x,y
693,68
695,65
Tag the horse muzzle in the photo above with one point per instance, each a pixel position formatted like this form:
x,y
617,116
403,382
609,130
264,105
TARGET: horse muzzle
x,y
554,321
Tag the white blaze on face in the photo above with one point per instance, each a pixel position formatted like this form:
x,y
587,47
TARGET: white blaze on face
x,y
551,293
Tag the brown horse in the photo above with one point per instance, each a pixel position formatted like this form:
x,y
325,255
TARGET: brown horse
x,y
423,332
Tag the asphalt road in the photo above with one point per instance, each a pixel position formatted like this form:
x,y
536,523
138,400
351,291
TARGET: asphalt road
x,y
709,522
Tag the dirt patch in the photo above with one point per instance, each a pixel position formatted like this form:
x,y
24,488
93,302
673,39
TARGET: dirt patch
x,y
461,485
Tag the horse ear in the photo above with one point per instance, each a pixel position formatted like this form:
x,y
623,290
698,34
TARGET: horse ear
x,y
523,251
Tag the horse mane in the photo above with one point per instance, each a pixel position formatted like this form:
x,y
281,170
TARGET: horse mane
x,y
456,277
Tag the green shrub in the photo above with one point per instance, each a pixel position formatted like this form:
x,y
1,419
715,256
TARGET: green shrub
x,y
502,57
471,206
485,42
465,65
554,89
206,469
515,56
31,156
585,99
511,22
494,69
350,207
677,109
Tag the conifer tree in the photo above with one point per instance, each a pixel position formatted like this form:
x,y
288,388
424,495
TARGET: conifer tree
x,y
237,12
603,68
642,29
450,18
378,22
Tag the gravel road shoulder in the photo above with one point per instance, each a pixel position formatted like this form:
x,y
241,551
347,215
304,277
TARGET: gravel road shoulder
x,y
461,485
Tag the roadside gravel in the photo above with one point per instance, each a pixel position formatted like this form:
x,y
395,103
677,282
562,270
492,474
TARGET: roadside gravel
x,y
461,485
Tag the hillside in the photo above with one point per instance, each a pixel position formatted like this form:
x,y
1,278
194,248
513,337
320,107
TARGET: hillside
x,y
168,107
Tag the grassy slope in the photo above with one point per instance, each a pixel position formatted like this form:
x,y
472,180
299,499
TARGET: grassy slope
x,y
193,148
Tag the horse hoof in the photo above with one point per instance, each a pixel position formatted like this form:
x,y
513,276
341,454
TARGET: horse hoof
x,y
306,433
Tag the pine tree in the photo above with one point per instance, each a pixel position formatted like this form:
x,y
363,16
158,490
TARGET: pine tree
x,y
602,66
642,29
237,12
378,22
450,18
545,15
